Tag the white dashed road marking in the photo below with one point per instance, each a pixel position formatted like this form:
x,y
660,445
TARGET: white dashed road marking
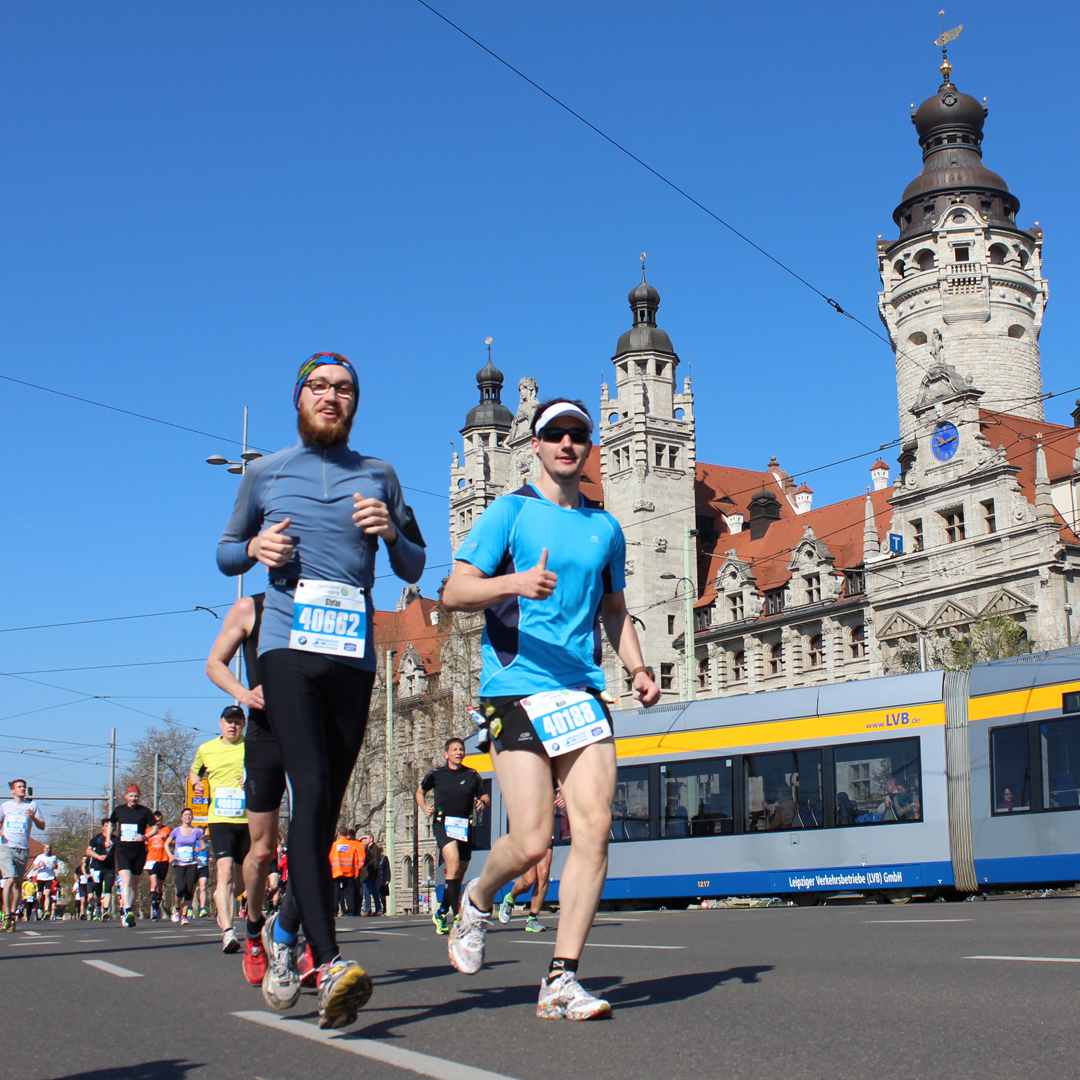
x,y
112,969
400,1058
894,922
603,945
1032,959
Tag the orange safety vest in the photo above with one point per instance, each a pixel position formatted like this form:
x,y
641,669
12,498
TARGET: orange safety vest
x,y
342,862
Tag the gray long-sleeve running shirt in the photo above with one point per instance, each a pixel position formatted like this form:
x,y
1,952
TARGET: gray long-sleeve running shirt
x,y
315,488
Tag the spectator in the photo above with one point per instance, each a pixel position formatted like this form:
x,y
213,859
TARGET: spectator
x,y
373,858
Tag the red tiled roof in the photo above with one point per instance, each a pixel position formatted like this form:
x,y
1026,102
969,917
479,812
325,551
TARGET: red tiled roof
x,y
1017,435
879,464
591,486
839,525
728,491
396,630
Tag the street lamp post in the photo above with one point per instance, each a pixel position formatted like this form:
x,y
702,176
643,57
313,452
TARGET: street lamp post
x,y
238,468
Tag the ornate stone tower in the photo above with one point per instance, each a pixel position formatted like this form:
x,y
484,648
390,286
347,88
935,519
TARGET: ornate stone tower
x,y
649,465
484,474
963,283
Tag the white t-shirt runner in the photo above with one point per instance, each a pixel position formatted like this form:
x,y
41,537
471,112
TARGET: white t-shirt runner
x,y
45,867
17,823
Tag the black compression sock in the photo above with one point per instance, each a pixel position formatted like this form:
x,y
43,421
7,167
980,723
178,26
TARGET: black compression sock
x,y
254,927
452,896
560,964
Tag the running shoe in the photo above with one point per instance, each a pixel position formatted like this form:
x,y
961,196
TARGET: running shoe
x,y
564,998
466,944
506,909
202,913
281,983
255,963
229,942
344,989
9,924
175,916
306,969
534,926
129,919
440,919
184,920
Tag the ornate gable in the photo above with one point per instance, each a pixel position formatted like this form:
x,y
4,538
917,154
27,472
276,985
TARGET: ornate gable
x,y
898,625
811,553
1006,602
949,614
734,574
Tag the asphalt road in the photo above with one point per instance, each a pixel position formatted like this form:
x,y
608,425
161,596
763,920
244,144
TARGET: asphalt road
x,y
924,990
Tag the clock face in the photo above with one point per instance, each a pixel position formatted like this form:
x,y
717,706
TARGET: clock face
x,y
944,441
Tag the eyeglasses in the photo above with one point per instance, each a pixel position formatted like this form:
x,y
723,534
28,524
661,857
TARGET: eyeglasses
x,y
345,390
578,436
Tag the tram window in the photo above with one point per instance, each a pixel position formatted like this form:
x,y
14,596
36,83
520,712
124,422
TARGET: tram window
x,y
630,810
1070,702
878,782
1010,763
697,798
783,790
1059,741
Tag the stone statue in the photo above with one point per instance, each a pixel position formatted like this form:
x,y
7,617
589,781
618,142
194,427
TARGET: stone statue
x,y
937,347
527,394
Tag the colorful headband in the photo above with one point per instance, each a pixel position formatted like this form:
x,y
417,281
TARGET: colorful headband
x,y
312,362
562,408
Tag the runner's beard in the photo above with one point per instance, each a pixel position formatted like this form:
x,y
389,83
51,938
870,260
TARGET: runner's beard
x,y
312,434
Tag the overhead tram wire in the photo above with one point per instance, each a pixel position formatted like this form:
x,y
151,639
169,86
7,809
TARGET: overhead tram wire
x,y
835,305
169,423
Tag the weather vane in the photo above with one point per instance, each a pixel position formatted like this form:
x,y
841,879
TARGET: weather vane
x,y
487,342
642,257
942,42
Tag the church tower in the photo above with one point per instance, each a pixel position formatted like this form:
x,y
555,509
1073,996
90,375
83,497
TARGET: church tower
x,y
963,283
649,462
483,474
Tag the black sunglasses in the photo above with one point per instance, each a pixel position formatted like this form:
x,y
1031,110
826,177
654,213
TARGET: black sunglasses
x,y
578,436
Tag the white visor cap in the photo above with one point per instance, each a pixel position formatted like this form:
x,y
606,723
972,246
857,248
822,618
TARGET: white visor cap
x,y
562,408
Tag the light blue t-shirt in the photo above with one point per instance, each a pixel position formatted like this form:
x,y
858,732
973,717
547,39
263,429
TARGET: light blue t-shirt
x,y
534,645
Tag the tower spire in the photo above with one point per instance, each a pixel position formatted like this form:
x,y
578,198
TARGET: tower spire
x,y
943,43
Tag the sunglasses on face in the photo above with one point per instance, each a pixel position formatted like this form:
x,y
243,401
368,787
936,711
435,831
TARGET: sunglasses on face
x,y
578,436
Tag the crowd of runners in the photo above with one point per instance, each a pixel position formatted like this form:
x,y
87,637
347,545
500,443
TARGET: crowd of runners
x,y
544,564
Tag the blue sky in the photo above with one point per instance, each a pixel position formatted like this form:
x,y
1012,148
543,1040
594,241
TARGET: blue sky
x,y
197,196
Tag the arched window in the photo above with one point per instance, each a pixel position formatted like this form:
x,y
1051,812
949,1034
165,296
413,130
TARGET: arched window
x,y
925,259
858,641
407,872
997,254
429,871
1016,331
738,666
703,674
898,267
1024,259
776,659
815,651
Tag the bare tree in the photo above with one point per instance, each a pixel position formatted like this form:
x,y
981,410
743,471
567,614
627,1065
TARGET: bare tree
x,y
175,743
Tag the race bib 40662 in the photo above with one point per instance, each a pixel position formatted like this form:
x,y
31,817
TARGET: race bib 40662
x,y
329,617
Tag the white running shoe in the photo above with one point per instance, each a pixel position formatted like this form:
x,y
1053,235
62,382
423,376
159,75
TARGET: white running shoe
x,y
281,983
564,998
344,989
466,942
175,916
129,919
229,942
506,909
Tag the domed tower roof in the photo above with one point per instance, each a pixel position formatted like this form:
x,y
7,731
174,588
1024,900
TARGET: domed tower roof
x,y
491,412
950,129
645,335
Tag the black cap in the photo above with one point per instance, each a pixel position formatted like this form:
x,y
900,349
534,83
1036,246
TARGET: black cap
x,y
233,710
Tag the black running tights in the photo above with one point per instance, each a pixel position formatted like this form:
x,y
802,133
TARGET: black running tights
x,y
318,711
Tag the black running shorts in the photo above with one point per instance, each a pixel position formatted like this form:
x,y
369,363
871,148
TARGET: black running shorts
x,y
264,782
516,731
441,839
132,858
160,870
229,840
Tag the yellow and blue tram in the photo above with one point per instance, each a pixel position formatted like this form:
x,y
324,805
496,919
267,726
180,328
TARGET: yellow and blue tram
x,y
937,783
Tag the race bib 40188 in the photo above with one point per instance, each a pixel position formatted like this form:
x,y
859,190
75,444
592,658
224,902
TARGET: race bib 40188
x,y
566,720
